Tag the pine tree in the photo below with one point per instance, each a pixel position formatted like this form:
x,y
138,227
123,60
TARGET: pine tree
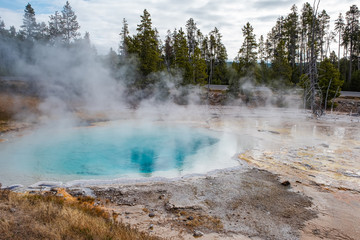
x,y
305,36
30,27
339,28
217,56
247,54
54,27
12,32
351,32
69,26
2,27
261,49
146,47
181,51
323,27
291,33
199,67
169,55
192,44
262,71
329,81
191,34
112,60
281,68
124,34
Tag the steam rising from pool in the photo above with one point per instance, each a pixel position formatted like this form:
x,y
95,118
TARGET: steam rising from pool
x,y
115,151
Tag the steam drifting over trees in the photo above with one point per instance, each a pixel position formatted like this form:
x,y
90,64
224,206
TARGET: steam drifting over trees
x,y
295,51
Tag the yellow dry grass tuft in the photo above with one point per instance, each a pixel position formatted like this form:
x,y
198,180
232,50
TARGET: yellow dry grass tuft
x,y
27,216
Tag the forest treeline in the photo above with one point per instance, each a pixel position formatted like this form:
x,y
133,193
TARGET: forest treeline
x,y
295,52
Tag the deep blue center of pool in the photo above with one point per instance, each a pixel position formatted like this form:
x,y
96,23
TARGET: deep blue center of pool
x,y
111,150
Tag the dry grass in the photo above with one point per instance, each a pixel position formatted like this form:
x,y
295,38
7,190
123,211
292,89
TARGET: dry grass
x,y
13,104
26,216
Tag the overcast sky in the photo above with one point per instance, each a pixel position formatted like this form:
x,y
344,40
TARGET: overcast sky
x,y
103,18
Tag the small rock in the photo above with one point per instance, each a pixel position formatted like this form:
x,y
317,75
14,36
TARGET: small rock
x,y
12,187
12,210
190,218
316,231
285,183
151,227
127,213
198,234
324,145
169,206
151,214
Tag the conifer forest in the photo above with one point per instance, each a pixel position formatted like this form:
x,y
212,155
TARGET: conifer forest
x,y
296,52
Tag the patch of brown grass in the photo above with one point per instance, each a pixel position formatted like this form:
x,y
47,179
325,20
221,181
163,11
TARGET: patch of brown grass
x,y
26,216
12,104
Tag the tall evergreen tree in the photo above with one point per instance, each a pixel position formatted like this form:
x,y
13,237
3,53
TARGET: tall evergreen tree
x,y
199,67
261,49
2,27
69,25
291,28
43,34
145,45
191,36
263,70
182,62
339,28
291,33
247,55
54,27
124,34
281,67
306,20
217,56
169,55
192,44
12,32
351,32
29,29
323,27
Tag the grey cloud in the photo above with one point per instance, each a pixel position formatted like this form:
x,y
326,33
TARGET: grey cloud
x,y
272,4
267,18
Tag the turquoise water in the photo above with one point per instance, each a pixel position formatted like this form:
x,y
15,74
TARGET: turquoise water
x,y
105,152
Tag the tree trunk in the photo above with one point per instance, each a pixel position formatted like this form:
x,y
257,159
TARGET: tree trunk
x,y
339,51
313,66
350,62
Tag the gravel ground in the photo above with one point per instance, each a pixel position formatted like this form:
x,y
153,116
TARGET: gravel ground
x,y
242,202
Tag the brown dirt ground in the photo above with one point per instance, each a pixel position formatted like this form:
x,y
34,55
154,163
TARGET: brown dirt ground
x,y
233,204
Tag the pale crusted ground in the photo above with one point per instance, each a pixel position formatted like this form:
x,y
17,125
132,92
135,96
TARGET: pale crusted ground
x,y
319,158
226,204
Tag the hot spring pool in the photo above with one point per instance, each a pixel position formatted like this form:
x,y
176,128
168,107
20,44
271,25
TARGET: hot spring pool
x,y
114,151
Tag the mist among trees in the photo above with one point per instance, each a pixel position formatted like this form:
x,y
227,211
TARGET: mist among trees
x,y
295,53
